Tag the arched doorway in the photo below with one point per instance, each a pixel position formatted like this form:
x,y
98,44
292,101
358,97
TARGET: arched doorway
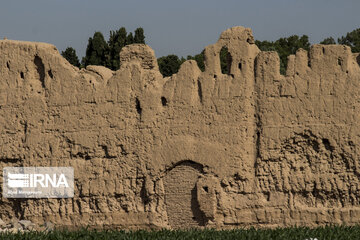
x,y
180,195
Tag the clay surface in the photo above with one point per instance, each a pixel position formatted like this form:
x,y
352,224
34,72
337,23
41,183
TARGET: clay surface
x,y
198,149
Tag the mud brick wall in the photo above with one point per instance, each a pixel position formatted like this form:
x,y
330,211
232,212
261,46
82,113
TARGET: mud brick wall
x,y
249,147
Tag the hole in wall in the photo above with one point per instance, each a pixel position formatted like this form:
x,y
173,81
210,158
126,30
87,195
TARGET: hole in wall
x,y
309,59
164,101
267,196
8,65
123,150
240,66
50,74
206,189
327,144
323,50
339,61
22,75
143,195
200,91
40,69
225,60
138,106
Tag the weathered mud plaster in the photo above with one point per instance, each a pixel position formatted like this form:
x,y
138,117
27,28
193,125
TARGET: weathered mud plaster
x,y
197,149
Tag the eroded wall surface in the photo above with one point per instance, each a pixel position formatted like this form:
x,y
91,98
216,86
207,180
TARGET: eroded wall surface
x,y
249,147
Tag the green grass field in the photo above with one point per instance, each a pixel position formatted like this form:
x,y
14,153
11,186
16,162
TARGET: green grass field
x,y
321,233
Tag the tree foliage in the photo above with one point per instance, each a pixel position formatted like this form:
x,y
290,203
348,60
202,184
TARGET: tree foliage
x,y
130,39
351,39
100,52
285,47
106,53
170,64
328,41
117,40
139,35
225,60
96,51
265,45
199,58
70,55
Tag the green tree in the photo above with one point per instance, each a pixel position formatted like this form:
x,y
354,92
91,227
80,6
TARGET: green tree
x,y
170,64
130,39
96,51
122,35
139,35
117,40
285,47
100,52
352,39
288,46
199,58
265,45
225,60
328,41
70,55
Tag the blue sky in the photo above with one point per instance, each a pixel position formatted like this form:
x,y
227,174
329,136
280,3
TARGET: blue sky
x,y
174,27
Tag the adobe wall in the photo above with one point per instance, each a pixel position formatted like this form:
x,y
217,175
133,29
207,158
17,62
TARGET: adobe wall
x,y
197,149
